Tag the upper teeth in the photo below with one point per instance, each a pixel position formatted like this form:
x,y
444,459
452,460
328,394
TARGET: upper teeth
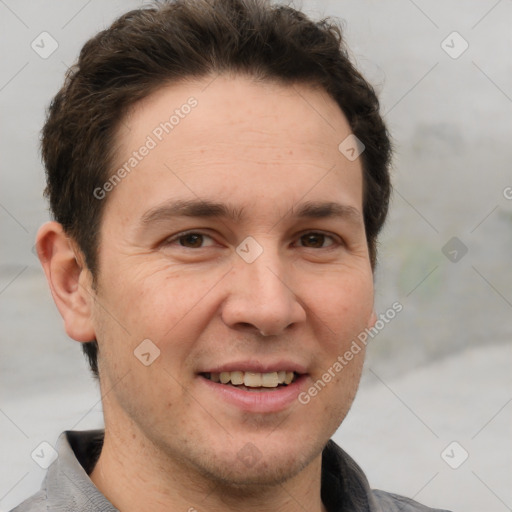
x,y
253,379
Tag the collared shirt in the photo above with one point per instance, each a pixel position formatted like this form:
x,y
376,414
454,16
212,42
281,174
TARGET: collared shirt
x,y
68,488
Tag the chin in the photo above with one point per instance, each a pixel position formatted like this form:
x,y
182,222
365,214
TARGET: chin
x,y
259,464
261,474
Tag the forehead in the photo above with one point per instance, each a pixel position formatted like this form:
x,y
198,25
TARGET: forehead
x,y
227,135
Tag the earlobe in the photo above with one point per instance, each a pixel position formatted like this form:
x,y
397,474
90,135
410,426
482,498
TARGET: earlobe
x,y
372,320
69,280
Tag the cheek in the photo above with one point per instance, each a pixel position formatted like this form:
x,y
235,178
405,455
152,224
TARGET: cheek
x,y
156,301
343,303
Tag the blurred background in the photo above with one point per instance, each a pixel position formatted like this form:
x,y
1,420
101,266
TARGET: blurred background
x,y
433,416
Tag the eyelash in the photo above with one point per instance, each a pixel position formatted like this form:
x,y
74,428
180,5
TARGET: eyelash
x,y
335,240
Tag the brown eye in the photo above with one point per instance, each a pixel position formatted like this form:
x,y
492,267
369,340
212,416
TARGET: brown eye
x,y
315,240
191,240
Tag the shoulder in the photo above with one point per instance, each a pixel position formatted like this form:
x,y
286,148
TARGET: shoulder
x,y
36,503
389,502
67,485
344,482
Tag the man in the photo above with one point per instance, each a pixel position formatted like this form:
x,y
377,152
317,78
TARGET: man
x,y
218,175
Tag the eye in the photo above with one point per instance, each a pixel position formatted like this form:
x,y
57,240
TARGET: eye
x,y
191,240
315,240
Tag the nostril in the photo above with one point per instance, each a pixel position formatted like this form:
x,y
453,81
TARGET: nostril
x,y
248,326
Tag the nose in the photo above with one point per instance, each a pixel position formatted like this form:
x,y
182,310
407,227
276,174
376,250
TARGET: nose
x,y
261,299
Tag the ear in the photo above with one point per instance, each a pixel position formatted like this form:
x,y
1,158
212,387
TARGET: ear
x,y
69,280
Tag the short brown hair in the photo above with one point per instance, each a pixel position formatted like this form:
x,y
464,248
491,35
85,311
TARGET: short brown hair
x,y
149,47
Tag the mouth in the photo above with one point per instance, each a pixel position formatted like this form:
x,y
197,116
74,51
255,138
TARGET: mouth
x,y
252,381
260,387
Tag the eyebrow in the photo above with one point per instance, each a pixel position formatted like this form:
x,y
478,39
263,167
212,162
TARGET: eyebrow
x,y
212,209
191,208
322,210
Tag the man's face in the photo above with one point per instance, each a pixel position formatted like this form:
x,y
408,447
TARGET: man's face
x,y
254,160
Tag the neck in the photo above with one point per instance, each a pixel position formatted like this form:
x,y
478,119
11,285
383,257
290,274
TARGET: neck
x,y
133,476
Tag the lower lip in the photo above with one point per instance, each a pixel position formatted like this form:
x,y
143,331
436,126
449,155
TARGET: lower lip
x,y
274,400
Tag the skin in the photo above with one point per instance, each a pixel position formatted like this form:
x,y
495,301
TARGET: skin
x,y
262,150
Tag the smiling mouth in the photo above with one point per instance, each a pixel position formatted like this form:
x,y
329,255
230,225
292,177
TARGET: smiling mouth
x,y
252,381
